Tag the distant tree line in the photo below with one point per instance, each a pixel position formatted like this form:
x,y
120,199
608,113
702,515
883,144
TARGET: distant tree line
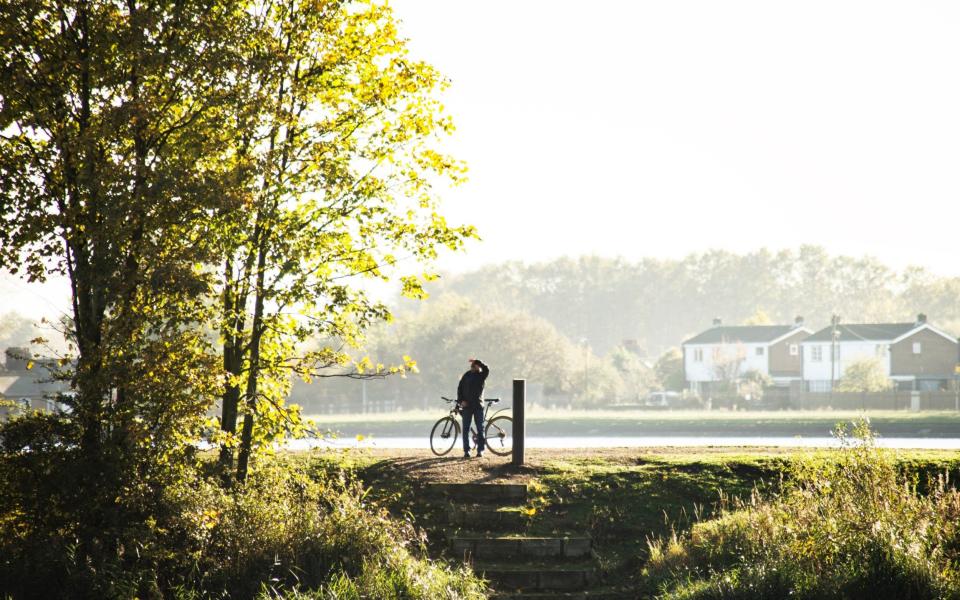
x,y
660,302
595,330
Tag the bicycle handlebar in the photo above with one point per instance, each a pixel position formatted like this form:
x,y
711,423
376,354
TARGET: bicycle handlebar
x,y
490,400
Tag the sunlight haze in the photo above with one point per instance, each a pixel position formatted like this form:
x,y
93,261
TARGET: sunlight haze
x,y
663,128
659,129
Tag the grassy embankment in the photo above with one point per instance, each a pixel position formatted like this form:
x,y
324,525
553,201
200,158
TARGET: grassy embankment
x,y
290,531
628,499
858,522
663,423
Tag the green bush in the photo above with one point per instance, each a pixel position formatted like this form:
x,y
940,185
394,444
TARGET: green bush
x,y
283,533
294,532
845,525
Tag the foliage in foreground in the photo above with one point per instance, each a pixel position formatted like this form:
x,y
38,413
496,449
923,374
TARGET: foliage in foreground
x,y
281,534
846,525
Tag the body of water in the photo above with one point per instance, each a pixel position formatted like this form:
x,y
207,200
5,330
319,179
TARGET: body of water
x,y
422,442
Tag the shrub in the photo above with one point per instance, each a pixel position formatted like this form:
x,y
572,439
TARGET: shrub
x,y
845,525
281,534
297,532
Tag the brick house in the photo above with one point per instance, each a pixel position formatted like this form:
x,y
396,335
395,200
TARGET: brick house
x,y
917,355
726,352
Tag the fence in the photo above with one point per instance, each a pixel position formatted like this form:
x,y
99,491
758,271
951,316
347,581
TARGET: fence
x,y
890,400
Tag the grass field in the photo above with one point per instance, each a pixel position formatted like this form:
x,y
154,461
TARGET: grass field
x,y
664,423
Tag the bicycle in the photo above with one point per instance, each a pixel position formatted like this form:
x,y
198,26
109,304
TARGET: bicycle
x,y
498,430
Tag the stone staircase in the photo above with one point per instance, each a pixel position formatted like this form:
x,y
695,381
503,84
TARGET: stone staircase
x,y
487,529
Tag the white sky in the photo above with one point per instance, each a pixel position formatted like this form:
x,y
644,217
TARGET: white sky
x,y
663,128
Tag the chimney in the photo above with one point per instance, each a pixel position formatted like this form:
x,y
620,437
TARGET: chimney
x,y
798,322
717,321
921,319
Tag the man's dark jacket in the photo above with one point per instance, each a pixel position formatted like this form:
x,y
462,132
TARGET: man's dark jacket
x,y
471,385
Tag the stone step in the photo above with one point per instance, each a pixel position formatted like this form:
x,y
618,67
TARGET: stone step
x,y
486,518
538,579
486,547
502,493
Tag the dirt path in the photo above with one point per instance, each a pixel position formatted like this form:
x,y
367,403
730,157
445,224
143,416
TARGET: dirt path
x,y
424,466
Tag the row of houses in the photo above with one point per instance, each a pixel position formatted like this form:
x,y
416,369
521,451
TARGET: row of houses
x,y
915,355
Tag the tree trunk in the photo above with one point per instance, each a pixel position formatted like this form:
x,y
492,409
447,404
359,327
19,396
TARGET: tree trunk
x,y
253,372
261,236
232,365
89,297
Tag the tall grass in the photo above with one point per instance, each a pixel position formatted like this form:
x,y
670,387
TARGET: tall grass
x,y
846,525
284,533
290,534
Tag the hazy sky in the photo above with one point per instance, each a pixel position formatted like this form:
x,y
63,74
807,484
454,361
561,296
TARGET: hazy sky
x,y
661,128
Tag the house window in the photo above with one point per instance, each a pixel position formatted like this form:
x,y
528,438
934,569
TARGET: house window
x,y
759,350
698,354
794,350
816,353
917,348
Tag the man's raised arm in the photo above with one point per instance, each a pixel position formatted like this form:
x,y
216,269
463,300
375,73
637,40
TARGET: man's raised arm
x,y
484,369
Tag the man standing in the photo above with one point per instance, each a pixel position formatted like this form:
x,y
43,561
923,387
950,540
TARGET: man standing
x,y
470,396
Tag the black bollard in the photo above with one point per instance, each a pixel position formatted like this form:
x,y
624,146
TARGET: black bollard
x,y
519,424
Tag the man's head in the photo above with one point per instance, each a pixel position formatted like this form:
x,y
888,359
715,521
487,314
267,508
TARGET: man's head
x,y
474,365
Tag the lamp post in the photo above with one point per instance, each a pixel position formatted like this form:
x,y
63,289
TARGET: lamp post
x,y
835,322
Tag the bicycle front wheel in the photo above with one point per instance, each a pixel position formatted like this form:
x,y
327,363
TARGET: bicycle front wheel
x,y
499,437
444,436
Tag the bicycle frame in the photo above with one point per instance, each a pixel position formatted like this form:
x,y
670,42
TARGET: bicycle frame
x,y
452,423
456,411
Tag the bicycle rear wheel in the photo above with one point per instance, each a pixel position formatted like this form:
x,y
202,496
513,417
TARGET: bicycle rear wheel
x,y
499,436
444,436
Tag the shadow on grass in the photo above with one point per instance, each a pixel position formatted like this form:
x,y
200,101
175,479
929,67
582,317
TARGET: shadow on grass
x,y
452,470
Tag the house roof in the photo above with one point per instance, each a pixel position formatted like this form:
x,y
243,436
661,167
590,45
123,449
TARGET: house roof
x,y
856,332
32,385
747,334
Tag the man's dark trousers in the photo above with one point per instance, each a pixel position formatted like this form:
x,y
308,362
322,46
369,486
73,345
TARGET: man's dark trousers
x,y
472,412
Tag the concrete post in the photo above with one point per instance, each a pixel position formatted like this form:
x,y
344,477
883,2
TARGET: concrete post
x,y
519,422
